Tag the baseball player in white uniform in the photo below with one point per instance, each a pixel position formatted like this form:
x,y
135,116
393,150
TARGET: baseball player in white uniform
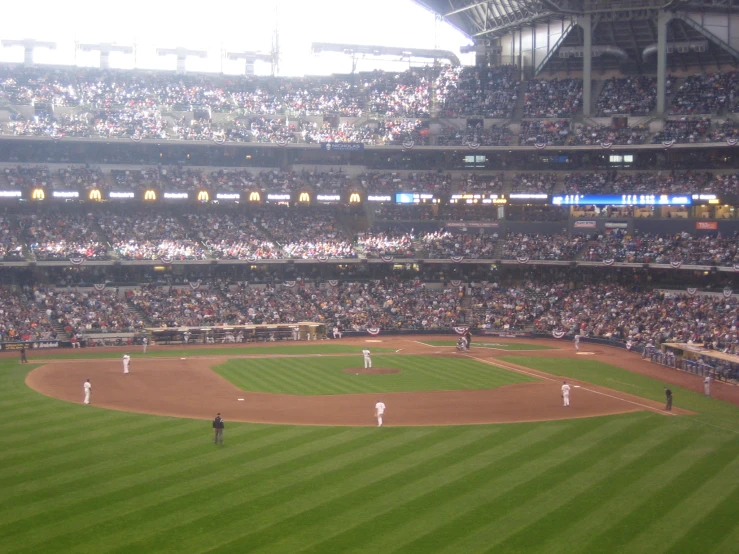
x,y
565,394
126,362
87,387
367,359
577,342
337,333
379,410
707,385
145,341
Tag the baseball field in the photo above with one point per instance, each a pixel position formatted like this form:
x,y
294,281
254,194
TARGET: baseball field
x,y
477,453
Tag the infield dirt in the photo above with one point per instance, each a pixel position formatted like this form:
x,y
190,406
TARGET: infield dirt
x,y
190,388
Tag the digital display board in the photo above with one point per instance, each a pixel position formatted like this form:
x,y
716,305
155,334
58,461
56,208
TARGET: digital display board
x,y
379,198
414,198
705,198
65,194
528,198
622,200
477,198
328,198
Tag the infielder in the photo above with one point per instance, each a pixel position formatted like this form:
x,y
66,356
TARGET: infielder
x,y
367,359
577,342
566,394
707,385
379,410
145,341
126,362
87,387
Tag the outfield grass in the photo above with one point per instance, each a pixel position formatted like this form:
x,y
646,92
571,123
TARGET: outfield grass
x,y
87,480
161,351
309,376
491,344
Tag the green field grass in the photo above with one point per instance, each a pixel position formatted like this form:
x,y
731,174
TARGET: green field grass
x,y
87,480
491,344
162,351
308,376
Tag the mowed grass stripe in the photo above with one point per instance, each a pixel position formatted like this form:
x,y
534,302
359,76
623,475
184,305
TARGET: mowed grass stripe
x,y
111,480
377,477
555,470
151,489
498,485
557,513
172,445
326,375
452,466
676,524
269,484
286,487
630,495
72,453
681,485
379,516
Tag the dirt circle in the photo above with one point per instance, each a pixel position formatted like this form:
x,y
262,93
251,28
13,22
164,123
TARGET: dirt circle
x,y
372,370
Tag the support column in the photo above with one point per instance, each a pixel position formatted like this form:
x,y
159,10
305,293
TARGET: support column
x,y
587,63
662,20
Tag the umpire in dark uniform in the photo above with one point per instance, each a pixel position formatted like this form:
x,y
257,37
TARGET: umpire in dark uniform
x,y
668,396
218,426
24,360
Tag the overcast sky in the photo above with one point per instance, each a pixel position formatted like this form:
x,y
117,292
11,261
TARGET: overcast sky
x,y
244,25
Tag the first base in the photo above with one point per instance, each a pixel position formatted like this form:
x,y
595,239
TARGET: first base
x,y
240,399
183,358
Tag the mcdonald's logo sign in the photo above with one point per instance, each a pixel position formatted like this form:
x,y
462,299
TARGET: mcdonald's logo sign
x,y
304,197
150,195
354,198
38,194
255,197
203,196
95,195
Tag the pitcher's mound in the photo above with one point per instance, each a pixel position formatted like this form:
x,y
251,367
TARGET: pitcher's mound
x,y
372,370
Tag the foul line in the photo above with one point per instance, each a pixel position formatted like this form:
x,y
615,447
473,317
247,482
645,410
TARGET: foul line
x,y
510,368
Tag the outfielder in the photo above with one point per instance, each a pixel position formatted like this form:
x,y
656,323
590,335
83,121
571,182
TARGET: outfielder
x,y
367,359
87,387
379,411
565,394
577,342
126,362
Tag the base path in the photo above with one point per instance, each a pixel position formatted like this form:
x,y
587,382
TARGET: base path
x,y
190,388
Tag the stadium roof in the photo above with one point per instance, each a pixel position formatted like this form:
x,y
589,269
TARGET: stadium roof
x,y
626,28
489,18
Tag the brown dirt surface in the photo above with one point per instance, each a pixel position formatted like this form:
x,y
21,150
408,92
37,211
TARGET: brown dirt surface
x,y
372,370
189,388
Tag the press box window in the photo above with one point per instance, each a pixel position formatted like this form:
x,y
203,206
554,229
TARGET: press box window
x,y
475,161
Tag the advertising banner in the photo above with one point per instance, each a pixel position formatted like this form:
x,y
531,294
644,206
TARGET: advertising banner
x,y
706,225
342,146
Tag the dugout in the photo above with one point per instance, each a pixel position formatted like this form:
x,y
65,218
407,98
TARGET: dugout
x,y
696,359
231,334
